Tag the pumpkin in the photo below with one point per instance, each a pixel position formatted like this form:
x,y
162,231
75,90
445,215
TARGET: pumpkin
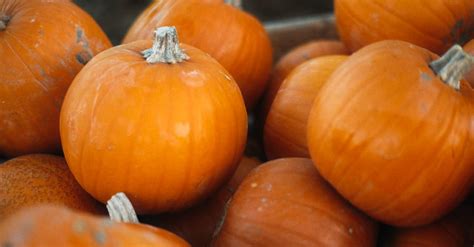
x,y
197,224
469,47
285,128
286,202
392,131
293,59
165,125
34,179
432,24
39,60
451,231
234,38
53,225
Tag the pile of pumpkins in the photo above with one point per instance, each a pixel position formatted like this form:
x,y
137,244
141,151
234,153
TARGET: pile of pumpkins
x,y
369,140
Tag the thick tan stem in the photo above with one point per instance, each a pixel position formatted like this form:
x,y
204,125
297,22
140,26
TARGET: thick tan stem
x,y
165,47
121,210
235,3
453,65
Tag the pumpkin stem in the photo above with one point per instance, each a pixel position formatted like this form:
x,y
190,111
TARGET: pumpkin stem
x,y
121,209
235,3
165,47
4,22
453,65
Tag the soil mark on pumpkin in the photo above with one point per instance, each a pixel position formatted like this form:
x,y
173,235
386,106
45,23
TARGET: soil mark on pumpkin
x,y
85,55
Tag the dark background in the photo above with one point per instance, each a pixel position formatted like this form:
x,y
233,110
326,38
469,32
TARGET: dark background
x,y
115,16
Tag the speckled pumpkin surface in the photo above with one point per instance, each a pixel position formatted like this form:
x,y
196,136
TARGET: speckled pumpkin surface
x,y
35,179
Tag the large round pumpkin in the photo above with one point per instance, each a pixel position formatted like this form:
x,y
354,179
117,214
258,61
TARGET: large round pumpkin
x,y
43,45
34,179
167,128
451,231
198,224
293,59
285,127
286,202
234,38
432,24
392,131
469,47
52,225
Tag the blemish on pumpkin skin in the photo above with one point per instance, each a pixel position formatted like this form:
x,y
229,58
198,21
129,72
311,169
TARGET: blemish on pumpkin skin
x,y
7,244
86,54
100,237
79,226
253,185
425,76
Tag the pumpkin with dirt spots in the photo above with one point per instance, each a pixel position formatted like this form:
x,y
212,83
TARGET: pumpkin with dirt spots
x,y
34,179
43,45
49,225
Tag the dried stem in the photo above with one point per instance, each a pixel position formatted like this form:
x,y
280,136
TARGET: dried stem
x,y
165,47
121,209
235,3
453,65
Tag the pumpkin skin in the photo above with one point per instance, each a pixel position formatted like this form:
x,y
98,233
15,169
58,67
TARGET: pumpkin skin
x,y
34,179
469,47
167,135
39,61
451,231
293,59
285,128
391,137
198,224
286,202
78,229
238,41
434,25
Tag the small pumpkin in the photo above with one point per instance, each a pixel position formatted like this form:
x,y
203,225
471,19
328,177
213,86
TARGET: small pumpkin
x,y
35,179
469,47
198,224
293,59
451,231
165,125
43,45
392,131
233,37
53,225
286,202
285,128
432,24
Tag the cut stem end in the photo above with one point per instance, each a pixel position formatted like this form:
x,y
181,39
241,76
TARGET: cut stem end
x,y
235,3
452,66
121,209
4,22
165,47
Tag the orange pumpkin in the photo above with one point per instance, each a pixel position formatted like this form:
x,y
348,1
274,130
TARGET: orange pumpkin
x,y
168,128
197,225
451,231
285,128
34,179
293,59
52,225
234,38
469,47
432,24
43,45
286,202
392,131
